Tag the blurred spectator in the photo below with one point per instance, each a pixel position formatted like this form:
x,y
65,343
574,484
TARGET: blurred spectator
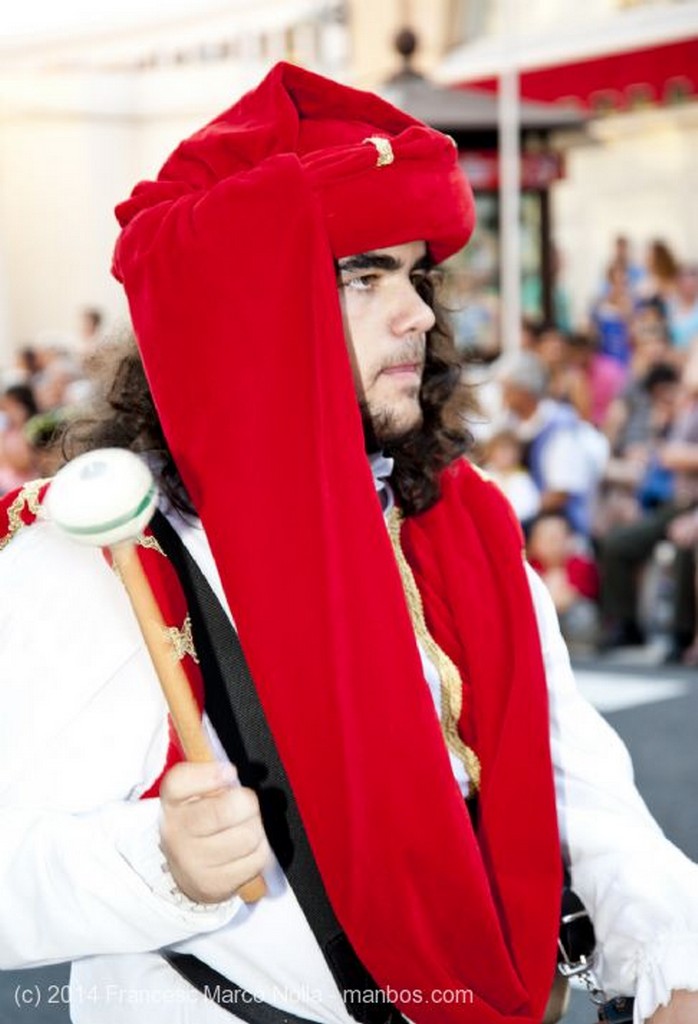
x,y
567,382
622,259
44,432
611,315
690,370
90,332
628,548
503,462
571,577
682,309
564,454
634,478
662,273
60,381
625,420
91,321
481,376
17,406
683,532
549,348
650,340
656,484
593,379
27,365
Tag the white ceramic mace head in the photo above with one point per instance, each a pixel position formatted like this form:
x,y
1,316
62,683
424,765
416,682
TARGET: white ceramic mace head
x,y
103,497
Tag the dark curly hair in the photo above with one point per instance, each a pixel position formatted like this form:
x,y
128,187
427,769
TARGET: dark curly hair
x,y
446,402
124,416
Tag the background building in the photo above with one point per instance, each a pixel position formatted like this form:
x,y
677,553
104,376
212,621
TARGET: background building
x,y
96,98
90,104
633,66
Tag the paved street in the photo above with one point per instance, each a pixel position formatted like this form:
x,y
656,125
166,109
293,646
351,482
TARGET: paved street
x,y
654,709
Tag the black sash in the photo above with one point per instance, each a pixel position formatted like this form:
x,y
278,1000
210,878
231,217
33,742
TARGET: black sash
x,y
235,711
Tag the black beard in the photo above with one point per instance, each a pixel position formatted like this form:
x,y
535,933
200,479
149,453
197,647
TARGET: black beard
x,y
380,430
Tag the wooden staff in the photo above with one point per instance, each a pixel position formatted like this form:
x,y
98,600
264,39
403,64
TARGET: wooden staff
x,y
105,498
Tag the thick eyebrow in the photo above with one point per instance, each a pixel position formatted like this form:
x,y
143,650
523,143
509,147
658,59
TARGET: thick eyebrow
x,y
380,261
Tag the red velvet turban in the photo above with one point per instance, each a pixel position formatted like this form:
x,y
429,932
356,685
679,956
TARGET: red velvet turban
x,y
383,178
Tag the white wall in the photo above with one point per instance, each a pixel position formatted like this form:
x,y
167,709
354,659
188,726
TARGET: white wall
x,y
79,126
72,145
62,172
533,16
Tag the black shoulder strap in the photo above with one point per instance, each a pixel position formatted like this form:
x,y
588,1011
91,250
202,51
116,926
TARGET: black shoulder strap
x,y
235,711
226,994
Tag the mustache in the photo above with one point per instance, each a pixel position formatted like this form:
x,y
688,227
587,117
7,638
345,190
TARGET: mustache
x,y
413,353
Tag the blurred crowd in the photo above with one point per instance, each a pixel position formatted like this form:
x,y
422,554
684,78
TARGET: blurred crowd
x,y
39,393
592,434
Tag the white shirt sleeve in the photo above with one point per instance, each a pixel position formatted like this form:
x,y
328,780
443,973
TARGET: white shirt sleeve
x,y
640,890
83,731
72,886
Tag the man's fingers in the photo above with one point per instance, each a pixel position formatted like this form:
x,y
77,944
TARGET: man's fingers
x,y
215,867
187,780
211,831
233,846
222,810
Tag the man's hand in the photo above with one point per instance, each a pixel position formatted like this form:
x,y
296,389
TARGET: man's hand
x,y
682,1009
211,831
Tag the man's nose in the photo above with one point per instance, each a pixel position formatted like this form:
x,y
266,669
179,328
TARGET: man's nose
x,y
412,315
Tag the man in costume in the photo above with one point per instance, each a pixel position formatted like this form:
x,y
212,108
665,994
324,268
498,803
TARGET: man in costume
x,y
278,267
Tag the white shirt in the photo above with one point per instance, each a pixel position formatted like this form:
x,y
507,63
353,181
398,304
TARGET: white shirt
x,y
78,845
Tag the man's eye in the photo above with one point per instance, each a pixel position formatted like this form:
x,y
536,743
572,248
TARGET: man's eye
x,y
361,283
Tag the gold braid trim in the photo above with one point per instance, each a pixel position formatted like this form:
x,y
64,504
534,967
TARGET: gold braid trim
x,y
449,677
182,641
143,540
28,497
148,541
